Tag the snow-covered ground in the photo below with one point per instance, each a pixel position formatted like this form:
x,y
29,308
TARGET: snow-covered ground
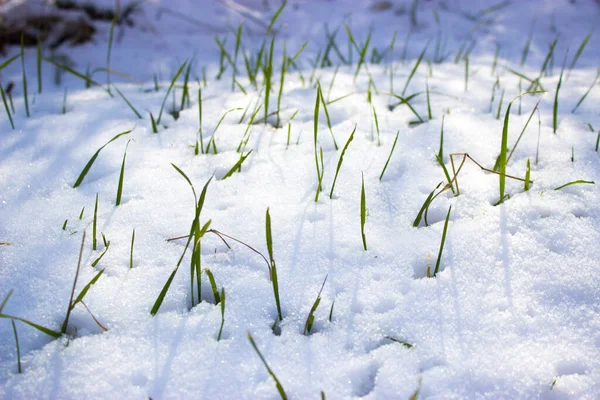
x,y
514,311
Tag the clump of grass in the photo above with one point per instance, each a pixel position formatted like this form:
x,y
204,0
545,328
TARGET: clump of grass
x,y
390,156
273,266
179,71
87,167
269,370
363,213
504,146
439,257
577,182
311,315
197,231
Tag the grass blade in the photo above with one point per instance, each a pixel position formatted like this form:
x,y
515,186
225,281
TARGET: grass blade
x,y
128,103
222,313
579,51
237,165
311,315
131,251
273,271
390,156
87,167
439,257
577,182
528,176
121,176
363,213
6,107
277,383
24,74
339,164
276,16
416,66
425,205
17,346
576,106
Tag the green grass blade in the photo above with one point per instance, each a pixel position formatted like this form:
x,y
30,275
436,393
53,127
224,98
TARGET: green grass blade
x,y
38,63
577,182
390,156
439,257
94,225
579,51
339,164
131,251
276,16
326,114
6,107
87,79
108,52
107,245
86,289
311,315
424,207
237,165
121,176
277,383
363,213
213,286
222,313
414,70
40,328
163,293
269,237
19,370
9,61
87,167
127,102
578,103
555,107
153,123
187,180
528,176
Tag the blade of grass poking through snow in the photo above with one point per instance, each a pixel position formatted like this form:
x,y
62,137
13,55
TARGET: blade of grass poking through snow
x,y
273,271
69,308
222,314
579,51
94,224
522,132
504,145
128,103
17,346
131,251
199,122
281,82
440,156
268,74
311,315
319,168
429,115
86,288
416,66
362,53
24,74
577,182
425,205
9,61
276,16
246,135
107,245
390,156
326,114
40,328
500,105
363,213
555,107
89,81
122,176
87,167
527,176
6,107
153,123
582,97
213,286
339,164
439,257
237,166
110,42
271,373
376,126
169,90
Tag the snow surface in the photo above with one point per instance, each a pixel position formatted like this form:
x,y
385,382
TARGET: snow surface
x,y
514,312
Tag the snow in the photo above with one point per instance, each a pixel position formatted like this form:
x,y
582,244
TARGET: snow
x,y
513,312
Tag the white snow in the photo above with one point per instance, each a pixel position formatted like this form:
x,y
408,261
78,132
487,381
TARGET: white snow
x,y
513,312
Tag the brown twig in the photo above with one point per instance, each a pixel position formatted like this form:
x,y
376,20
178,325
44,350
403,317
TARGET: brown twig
x,y
93,317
